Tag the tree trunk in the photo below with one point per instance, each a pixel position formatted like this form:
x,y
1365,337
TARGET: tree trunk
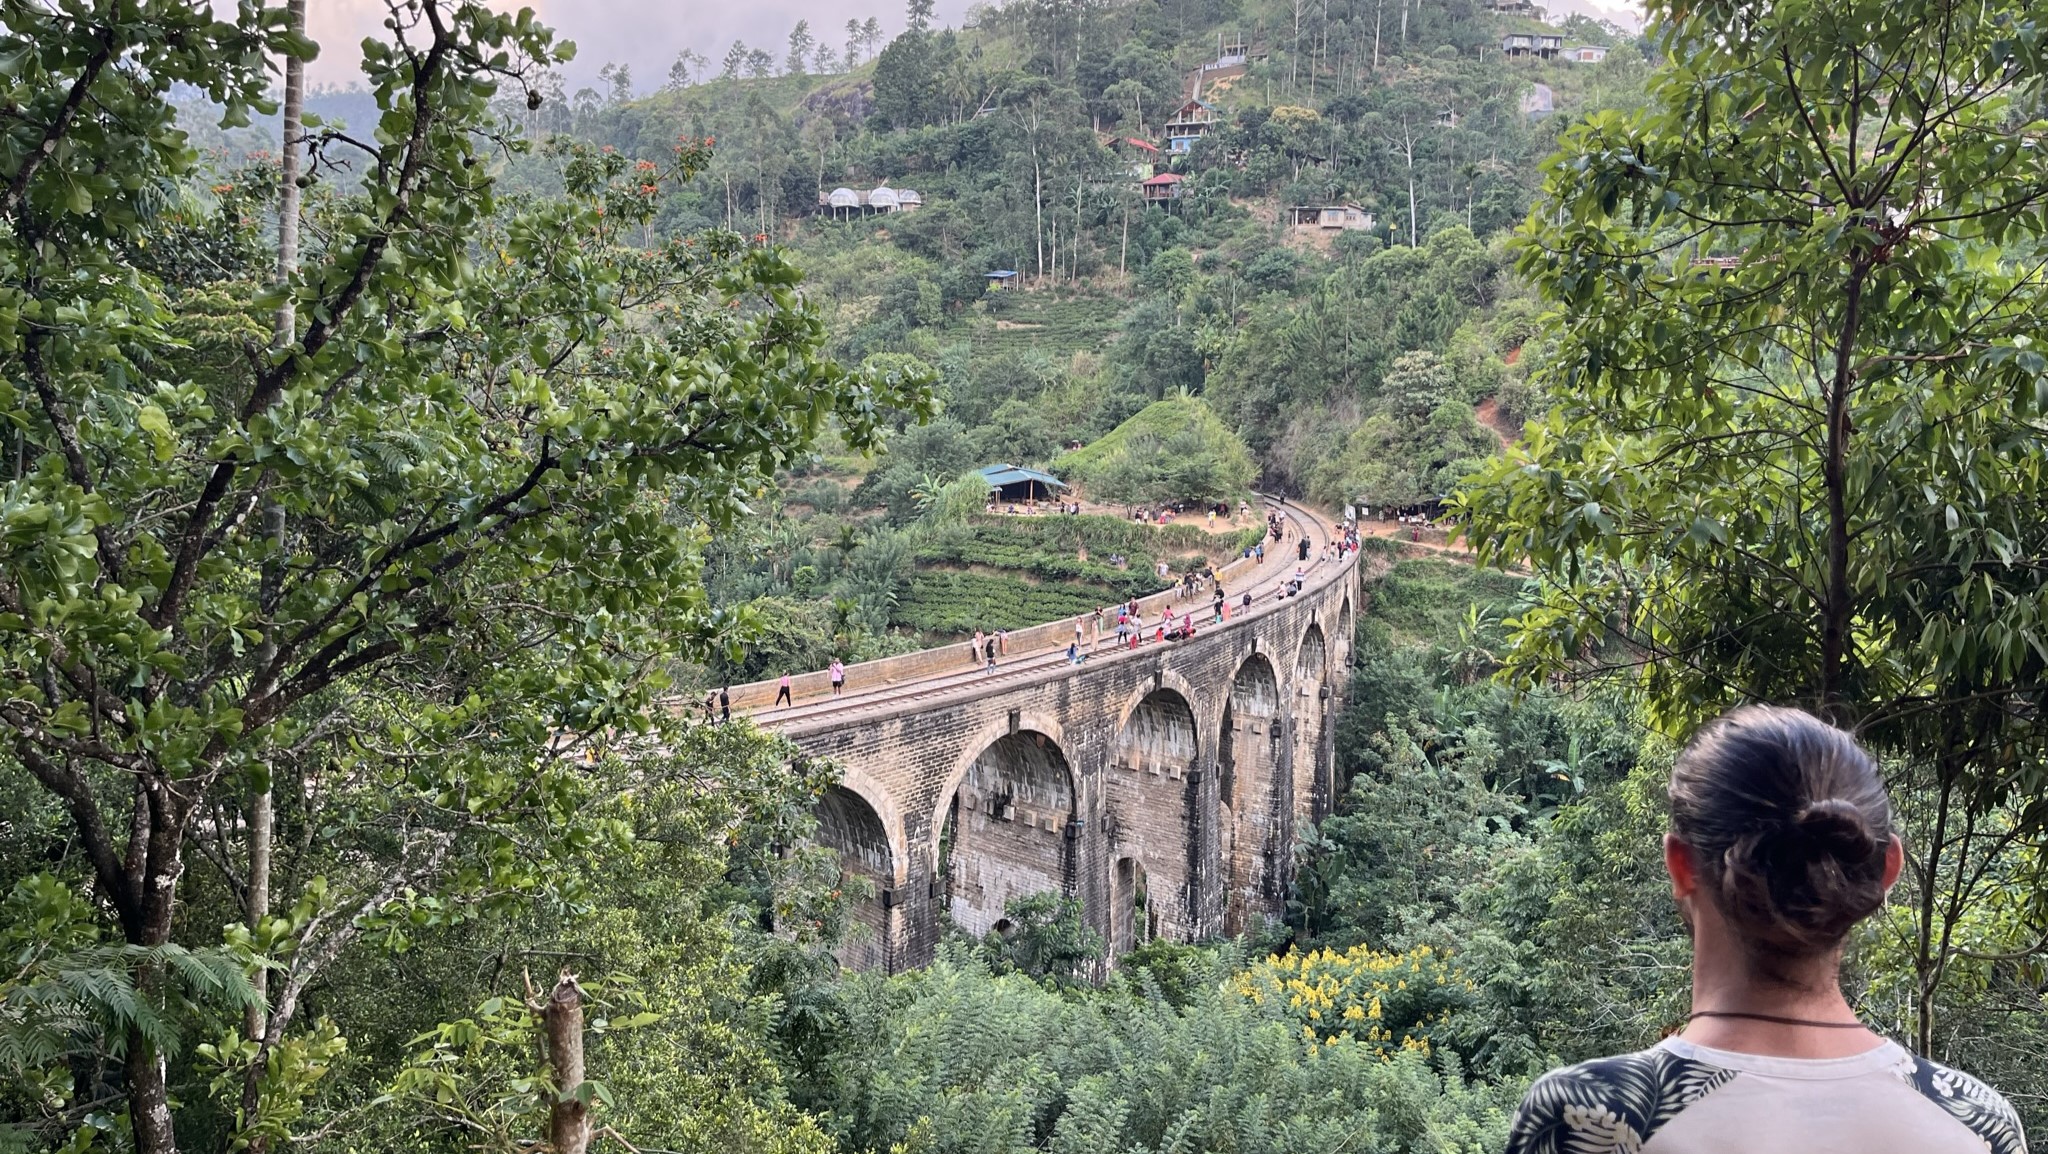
x,y
568,1112
1294,57
1378,10
1074,261
1124,247
1928,959
1408,152
1837,608
284,333
149,1099
1038,210
155,855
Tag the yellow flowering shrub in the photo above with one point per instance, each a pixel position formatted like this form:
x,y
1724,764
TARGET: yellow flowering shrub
x,y
1386,1000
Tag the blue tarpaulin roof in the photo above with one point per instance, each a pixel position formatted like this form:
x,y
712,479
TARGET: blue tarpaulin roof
x,y
1000,475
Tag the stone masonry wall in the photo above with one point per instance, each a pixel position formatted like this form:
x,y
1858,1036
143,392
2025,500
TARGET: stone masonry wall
x,y
1123,802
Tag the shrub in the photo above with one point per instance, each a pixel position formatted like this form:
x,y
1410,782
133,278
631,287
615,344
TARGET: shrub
x,y
1388,1001
1172,450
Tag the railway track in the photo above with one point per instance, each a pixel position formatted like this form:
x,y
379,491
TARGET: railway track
x,y
814,713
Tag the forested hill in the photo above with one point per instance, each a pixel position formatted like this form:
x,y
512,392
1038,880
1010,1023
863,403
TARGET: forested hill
x,y
1348,360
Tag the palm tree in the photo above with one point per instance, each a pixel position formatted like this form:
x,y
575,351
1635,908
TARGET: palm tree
x,y
929,489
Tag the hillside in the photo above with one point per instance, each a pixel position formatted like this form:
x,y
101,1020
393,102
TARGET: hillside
x,y
1026,162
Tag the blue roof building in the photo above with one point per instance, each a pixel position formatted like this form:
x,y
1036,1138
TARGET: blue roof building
x,y
1015,483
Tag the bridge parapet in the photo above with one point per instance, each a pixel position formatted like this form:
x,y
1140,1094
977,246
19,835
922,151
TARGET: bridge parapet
x,y
908,668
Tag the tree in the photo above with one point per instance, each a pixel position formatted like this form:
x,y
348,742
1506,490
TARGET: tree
x,y
1048,938
735,61
801,42
474,461
760,65
920,14
1132,93
1813,468
688,65
906,83
618,82
870,35
853,42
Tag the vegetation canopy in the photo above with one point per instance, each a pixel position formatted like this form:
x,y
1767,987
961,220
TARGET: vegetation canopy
x,y
1171,450
1800,450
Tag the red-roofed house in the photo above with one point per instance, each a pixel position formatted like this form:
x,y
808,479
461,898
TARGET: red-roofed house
x,y
1163,188
1140,157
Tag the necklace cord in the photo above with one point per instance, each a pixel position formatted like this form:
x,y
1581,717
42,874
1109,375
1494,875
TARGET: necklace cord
x,y
1773,1018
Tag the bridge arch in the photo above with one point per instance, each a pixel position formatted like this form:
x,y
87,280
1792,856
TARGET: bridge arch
x,y
1254,765
852,823
1347,632
882,804
1154,821
1162,679
1312,655
1007,825
1312,702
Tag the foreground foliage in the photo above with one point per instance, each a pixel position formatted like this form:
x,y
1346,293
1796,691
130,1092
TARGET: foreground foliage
x,y
956,1059
378,573
1801,449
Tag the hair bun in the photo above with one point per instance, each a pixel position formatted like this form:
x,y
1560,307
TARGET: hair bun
x,y
1833,827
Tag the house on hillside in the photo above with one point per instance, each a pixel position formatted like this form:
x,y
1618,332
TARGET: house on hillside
x,y
1164,188
846,202
1233,53
1539,44
1189,123
1511,7
1348,217
1586,53
1013,483
1001,279
1140,157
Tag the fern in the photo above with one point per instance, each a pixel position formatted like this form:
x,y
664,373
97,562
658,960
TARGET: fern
x,y
87,999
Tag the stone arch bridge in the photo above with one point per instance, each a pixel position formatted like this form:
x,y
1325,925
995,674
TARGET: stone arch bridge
x,y
1162,785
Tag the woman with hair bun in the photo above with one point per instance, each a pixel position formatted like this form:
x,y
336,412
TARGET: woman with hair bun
x,y
1781,840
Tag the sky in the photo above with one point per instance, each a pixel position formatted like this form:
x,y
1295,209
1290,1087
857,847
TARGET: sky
x,y
647,34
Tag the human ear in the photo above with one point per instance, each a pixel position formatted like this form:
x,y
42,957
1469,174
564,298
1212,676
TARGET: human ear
x,y
1894,861
1678,863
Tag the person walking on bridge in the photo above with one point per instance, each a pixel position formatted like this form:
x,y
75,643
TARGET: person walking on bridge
x,y
782,691
838,677
989,650
1781,840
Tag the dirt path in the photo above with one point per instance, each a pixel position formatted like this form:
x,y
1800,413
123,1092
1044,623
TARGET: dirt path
x,y
1487,412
